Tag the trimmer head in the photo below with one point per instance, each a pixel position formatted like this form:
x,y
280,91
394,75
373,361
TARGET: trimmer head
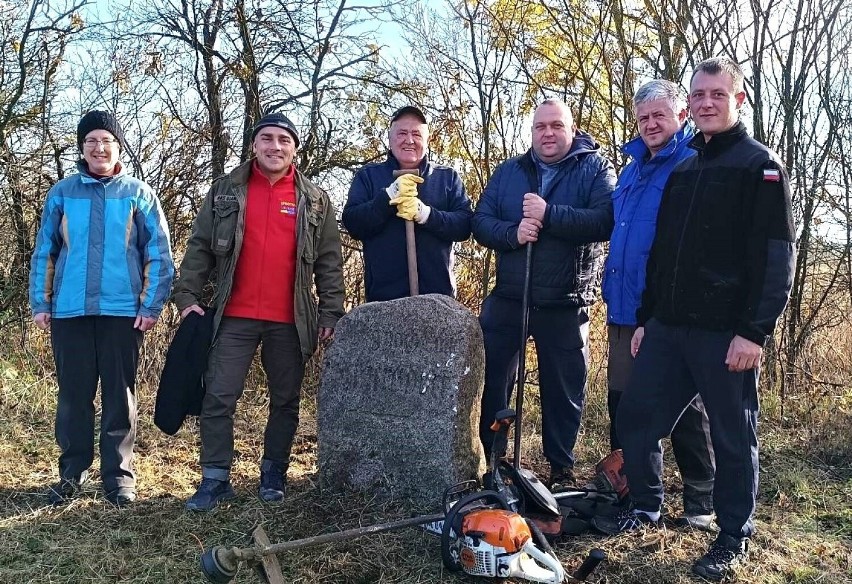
x,y
217,566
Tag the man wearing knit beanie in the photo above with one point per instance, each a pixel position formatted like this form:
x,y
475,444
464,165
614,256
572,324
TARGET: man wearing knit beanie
x,y
277,120
270,237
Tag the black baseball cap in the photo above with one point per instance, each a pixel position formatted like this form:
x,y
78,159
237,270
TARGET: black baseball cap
x,y
409,110
278,120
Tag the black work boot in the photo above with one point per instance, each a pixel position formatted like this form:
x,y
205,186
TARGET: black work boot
x,y
66,489
722,559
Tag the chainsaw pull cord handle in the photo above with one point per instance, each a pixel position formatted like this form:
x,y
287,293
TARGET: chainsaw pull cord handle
x,y
522,357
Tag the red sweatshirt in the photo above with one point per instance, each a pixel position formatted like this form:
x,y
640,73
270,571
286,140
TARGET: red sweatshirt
x,y
265,276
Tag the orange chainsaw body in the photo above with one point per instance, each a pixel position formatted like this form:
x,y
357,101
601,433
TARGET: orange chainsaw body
x,y
498,527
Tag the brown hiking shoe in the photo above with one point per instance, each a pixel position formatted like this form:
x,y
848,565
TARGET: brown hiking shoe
x,y
561,478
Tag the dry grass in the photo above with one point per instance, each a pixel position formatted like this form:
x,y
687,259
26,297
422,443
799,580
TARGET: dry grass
x,y
804,514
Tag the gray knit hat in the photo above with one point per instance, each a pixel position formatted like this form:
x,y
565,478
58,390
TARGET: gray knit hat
x,y
99,120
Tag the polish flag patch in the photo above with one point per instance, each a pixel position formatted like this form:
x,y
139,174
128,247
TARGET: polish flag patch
x,y
771,175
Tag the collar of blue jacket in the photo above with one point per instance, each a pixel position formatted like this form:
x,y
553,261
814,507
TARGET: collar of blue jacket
x,y
639,152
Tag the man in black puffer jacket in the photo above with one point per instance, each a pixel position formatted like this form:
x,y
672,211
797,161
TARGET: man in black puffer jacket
x,y
718,278
558,196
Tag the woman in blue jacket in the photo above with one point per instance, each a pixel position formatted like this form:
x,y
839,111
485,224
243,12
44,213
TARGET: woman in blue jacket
x,y
101,270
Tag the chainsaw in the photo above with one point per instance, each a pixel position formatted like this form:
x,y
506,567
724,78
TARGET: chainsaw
x,y
482,537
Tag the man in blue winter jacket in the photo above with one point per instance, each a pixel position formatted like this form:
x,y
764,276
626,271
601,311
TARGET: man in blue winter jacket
x,y
378,205
556,196
663,142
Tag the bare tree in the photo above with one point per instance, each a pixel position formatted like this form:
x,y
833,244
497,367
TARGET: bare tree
x,y
35,37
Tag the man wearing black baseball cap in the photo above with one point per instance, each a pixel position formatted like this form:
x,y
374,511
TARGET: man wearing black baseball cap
x,y
409,110
432,196
271,237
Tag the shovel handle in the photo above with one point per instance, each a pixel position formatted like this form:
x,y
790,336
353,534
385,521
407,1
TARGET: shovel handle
x,y
411,253
410,245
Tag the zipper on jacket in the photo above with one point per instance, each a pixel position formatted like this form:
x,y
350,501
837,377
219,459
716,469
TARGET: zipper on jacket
x,y
685,225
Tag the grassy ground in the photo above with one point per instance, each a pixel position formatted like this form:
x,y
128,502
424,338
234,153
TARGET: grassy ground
x,y
804,516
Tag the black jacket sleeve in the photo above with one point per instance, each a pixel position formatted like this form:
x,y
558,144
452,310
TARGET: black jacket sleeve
x,y
770,254
367,207
649,294
592,223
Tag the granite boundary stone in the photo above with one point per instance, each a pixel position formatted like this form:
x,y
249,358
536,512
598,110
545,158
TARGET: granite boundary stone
x,y
399,401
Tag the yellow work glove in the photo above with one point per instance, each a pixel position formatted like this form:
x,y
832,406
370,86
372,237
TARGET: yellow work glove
x,y
406,207
404,186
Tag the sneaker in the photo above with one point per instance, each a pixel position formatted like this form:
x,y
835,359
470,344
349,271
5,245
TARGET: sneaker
x,y
272,486
626,520
561,478
699,522
210,493
121,496
722,559
66,489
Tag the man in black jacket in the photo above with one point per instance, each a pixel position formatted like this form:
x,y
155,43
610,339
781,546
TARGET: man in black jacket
x,y
558,197
718,278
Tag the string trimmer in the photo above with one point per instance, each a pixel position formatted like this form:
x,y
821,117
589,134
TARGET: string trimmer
x,y
493,542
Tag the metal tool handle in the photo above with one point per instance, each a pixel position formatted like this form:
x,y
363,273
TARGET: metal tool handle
x,y
522,357
595,557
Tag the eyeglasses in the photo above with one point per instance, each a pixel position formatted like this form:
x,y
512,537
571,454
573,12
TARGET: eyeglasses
x,y
94,142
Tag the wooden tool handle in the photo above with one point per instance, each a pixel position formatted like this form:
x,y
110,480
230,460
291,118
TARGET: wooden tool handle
x,y
411,252
410,245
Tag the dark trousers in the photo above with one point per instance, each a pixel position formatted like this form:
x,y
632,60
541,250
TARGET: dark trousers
x,y
691,442
673,363
560,336
228,364
87,349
